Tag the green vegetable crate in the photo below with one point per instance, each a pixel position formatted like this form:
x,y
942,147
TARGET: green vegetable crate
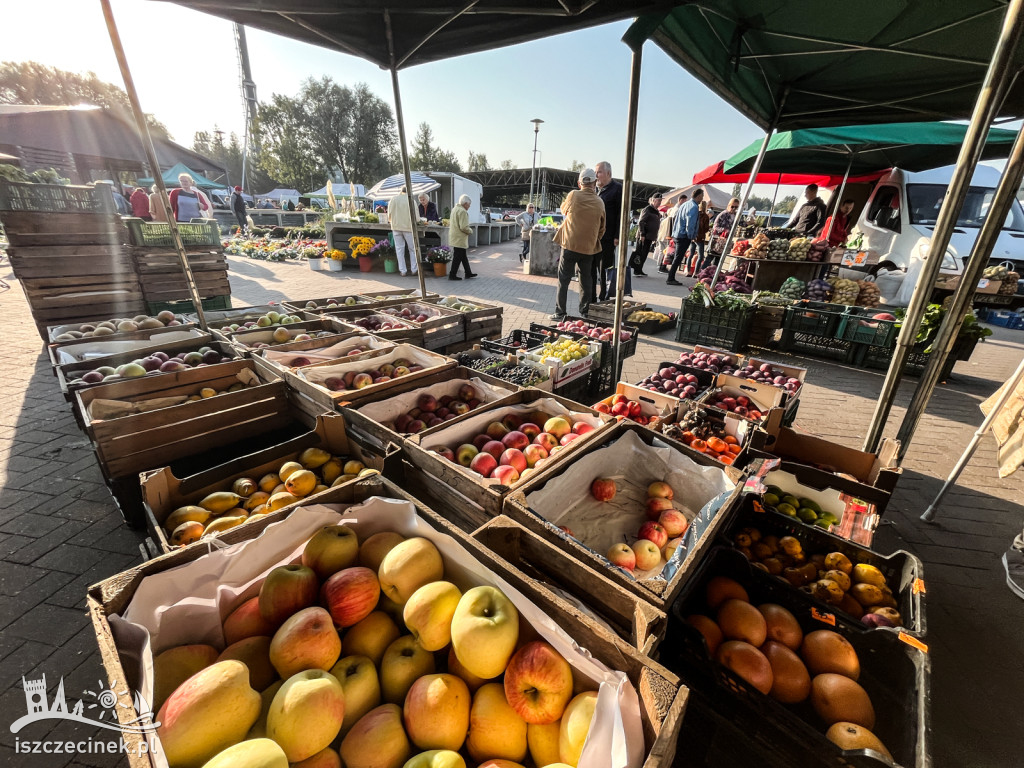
x,y
812,327
727,329
879,358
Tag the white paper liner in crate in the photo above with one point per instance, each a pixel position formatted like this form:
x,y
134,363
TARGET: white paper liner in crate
x,y
699,493
465,431
386,411
323,354
188,604
320,373
90,349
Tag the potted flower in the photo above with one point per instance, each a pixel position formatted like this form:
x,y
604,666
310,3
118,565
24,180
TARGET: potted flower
x,y
439,256
362,248
386,251
315,258
335,258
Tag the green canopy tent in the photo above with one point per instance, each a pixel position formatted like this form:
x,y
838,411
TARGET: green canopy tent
x,y
170,177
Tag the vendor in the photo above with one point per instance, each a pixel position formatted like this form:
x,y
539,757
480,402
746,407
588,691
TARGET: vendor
x,y
428,210
837,227
809,218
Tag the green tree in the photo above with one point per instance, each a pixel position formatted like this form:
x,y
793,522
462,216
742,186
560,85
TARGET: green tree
x,y
477,162
786,204
427,157
506,165
576,166
29,82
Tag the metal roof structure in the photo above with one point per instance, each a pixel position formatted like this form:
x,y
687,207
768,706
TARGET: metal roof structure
x,y
505,187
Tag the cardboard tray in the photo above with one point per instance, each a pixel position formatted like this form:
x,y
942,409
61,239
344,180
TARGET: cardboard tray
x,y
769,399
152,337
662,699
163,491
377,346
652,404
562,373
659,592
705,382
472,500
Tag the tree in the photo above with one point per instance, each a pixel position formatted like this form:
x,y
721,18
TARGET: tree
x,y
477,162
736,190
506,165
426,157
29,82
576,166
786,204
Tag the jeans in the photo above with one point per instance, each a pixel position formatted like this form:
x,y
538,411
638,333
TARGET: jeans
x,y
459,257
703,259
613,283
567,265
682,243
404,240
526,248
604,261
243,223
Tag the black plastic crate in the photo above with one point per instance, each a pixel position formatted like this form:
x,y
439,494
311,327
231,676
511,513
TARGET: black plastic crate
x,y
577,390
814,317
519,339
814,345
628,346
879,358
714,326
858,326
895,675
903,571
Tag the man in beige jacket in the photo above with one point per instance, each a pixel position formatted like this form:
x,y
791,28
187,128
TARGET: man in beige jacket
x,y
580,238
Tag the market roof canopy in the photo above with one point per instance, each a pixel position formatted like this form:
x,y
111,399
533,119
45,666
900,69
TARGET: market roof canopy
x,y
831,63
715,197
716,174
421,31
170,177
392,186
910,146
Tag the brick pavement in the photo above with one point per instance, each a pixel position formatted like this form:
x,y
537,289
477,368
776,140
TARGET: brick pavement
x,y
59,530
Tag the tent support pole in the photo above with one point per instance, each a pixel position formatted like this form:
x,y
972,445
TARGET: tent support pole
x,y
414,213
965,458
943,343
627,202
749,188
839,196
775,199
985,108
154,163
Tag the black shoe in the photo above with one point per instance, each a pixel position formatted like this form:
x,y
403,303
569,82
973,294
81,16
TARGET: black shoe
x,y
663,269
472,275
557,318
672,282
453,277
639,274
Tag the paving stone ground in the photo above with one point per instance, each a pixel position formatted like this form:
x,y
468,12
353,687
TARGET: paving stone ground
x,y
60,531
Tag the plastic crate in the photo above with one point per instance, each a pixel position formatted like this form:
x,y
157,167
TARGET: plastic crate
x,y
815,317
605,376
895,675
214,302
56,198
577,390
1004,319
879,358
859,326
714,326
158,233
628,346
814,345
518,340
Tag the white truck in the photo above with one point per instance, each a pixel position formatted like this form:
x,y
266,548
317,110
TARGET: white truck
x,y
452,188
898,218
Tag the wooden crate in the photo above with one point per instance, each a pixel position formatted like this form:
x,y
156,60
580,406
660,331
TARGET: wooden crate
x,y
298,306
409,333
244,340
398,296
152,335
30,228
162,279
699,537
469,499
130,444
484,322
444,328
163,492
378,346
662,696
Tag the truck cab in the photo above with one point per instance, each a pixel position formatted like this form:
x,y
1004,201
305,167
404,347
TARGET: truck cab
x,y
899,219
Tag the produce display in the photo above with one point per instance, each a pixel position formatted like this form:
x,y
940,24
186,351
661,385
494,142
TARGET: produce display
x,y
658,537
740,247
154,364
708,361
859,589
793,289
338,303
1008,287
512,448
707,437
593,330
268,320
673,381
621,405
778,249
431,411
646,315
758,248
844,291
818,251
413,313
868,294
461,305
565,350
741,405
362,654
300,360
165,319
732,282
766,374
283,335
799,248
766,647
732,297
501,368
771,299
314,471
995,273
819,290
382,374
378,322
804,510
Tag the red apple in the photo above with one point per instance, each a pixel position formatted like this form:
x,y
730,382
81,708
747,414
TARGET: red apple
x,y
513,457
402,421
674,522
484,463
538,683
505,474
481,440
655,506
619,398
287,590
415,426
445,401
495,448
515,439
511,422
467,392
581,428
620,409
350,595
654,532
623,556
448,453
603,408
603,489
426,402
529,429
659,489
546,441
459,408
566,439
533,454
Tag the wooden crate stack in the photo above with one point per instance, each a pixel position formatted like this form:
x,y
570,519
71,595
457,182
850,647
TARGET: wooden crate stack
x,y
66,249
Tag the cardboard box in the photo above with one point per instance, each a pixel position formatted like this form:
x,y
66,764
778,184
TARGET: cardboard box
x,y
770,400
652,404
561,372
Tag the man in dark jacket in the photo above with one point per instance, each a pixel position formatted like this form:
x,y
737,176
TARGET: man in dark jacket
x,y
238,208
610,192
809,217
647,234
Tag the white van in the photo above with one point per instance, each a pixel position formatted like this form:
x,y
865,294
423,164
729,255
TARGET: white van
x,y
899,217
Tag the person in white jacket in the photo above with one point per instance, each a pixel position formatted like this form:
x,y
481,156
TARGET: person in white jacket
x,y
401,229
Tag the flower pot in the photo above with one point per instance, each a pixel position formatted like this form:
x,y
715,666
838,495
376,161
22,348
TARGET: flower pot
x,y
317,265
365,263
440,269
391,265
335,265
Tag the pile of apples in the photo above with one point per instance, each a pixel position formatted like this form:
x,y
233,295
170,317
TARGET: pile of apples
x,y
765,374
431,411
708,361
156,362
592,330
513,448
429,673
658,537
378,322
282,335
414,313
313,471
267,320
673,381
741,405
300,361
380,375
623,407
345,301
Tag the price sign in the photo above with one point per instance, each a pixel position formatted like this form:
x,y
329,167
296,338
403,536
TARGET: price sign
x,y
854,259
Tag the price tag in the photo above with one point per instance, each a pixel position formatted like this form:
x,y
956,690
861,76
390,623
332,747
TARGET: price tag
x,y
983,283
854,259
825,618
757,506
913,642
918,587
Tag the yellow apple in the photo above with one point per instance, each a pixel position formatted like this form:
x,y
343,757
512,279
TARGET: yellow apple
x,y
331,549
306,713
373,550
325,758
428,614
538,683
408,567
436,758
377,740
456,668
543,742
495,730
485,630
358,678
255,753
495,763
572,734
371,636
403,662
436,712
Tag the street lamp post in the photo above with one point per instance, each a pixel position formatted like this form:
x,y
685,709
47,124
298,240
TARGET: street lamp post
x,y
533,170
